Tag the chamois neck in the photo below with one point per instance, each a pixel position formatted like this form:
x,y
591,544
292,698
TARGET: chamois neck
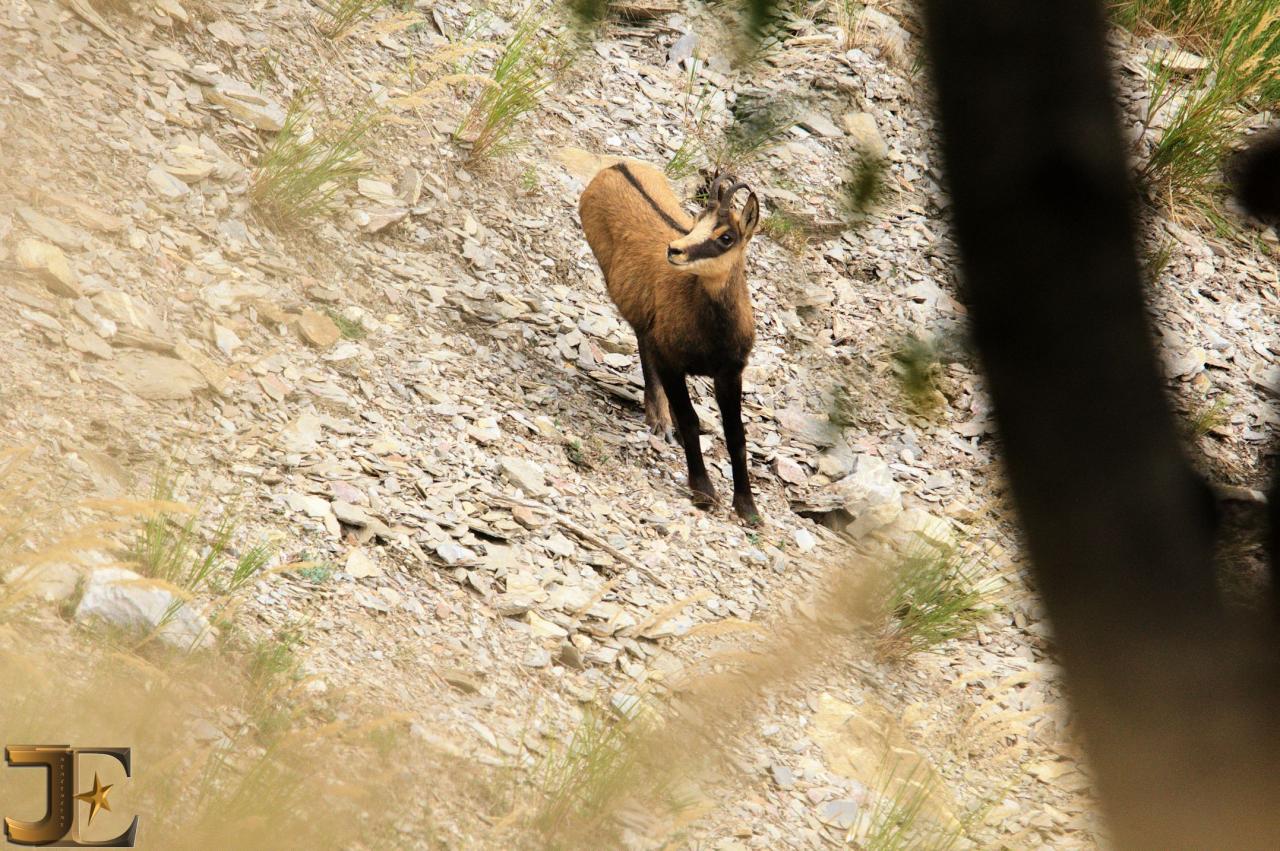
x,y
717,285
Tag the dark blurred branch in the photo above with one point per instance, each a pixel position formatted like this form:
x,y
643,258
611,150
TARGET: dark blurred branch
x,y
1178,709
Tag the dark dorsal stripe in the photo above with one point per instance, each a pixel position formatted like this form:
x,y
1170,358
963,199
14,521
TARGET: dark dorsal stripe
x,y
631,178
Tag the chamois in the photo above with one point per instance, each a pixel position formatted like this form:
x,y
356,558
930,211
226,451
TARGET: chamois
x,y
680,283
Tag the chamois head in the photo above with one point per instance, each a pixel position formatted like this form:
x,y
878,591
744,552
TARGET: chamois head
x,y
719,234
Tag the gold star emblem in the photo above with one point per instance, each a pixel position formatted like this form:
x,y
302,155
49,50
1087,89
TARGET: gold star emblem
x,y
96,798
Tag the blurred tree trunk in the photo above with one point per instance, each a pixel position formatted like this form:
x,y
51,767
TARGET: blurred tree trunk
x,y
1178,705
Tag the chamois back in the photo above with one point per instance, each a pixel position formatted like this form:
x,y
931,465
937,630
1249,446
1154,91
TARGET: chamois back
x,y
630,216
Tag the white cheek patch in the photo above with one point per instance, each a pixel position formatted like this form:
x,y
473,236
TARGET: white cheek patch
x,y
702,230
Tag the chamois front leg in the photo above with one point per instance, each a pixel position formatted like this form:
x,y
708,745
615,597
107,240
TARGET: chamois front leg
x,y
657,414
704,495
729,399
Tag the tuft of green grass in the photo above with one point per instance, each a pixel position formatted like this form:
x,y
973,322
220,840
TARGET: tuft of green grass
x,y
684,161
845,409
1209,417
513,90
917,366
897,821
582,781
273,670
865,185
591,454
932,597
1241,39
1155,261
350,329
342,16
170,547
588,15
759,122
303,169
529,180
788,230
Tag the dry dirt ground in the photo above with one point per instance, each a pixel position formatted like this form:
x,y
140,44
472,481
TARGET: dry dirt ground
x,y
496,541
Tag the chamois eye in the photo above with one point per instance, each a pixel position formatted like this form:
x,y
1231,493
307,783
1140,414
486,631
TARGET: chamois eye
x,y
726,239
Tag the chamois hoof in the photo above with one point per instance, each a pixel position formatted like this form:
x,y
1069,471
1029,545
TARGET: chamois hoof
x,y
664,432
745,507
704,494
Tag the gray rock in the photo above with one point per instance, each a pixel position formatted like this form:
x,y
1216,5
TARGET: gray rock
x,y
819,124
308,504
841,814
65,236
536,657
683,48
126,599
808,428
246,104
835,465
455,553
782,776
352,515
166,184
302,434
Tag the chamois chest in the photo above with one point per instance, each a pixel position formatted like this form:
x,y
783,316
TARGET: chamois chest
x,y
709,335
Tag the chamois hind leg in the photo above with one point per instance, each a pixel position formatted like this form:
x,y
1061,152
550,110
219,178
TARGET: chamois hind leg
x,y
729,399
704,495
657,413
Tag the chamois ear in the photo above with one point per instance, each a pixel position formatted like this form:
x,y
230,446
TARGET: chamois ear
x,y
750,217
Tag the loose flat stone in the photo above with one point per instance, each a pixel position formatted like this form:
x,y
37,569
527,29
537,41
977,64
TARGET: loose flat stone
x,y
53,230
819,124
525,475
155,377
166,184
246,104
360,565
318,330
55,272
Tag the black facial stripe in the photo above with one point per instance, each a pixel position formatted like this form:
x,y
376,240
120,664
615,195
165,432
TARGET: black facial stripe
x,y
707,250
631,178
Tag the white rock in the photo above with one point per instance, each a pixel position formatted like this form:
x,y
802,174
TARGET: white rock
x,y
805,540
543,628
525,475
156,377
126,599
870,495
454,553
303,433
536,657
360,566
226,340
914,523
308,504
864,134
560,545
